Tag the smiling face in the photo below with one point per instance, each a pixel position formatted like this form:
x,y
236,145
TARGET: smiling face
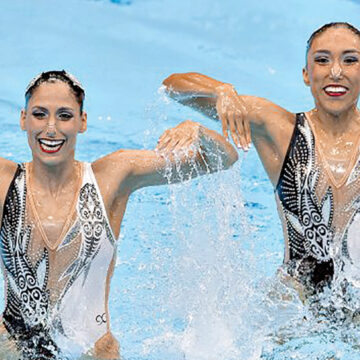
x,y
333,70
52,120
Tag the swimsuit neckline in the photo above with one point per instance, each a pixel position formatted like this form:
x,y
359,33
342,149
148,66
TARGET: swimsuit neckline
x,y
352,162
67,224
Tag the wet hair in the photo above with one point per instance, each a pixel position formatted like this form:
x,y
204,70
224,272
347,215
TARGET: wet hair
x,y
323,28
57,75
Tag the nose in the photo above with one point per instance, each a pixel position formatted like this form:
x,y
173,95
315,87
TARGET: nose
x,y
51,128
336,71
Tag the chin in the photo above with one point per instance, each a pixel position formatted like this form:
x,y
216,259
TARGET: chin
x,y
50,160
337,109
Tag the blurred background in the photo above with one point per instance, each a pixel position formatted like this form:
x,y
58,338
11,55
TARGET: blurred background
x,y
196,261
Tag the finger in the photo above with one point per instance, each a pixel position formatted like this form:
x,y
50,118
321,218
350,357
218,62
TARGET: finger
x,y
233,131
225,127
162,144
181,144
165,134
239,130
163,137
241,133
245,124
191,146
224,124
247,132
222,118
172,145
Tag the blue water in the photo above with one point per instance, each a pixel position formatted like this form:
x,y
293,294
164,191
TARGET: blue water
x,y
195,261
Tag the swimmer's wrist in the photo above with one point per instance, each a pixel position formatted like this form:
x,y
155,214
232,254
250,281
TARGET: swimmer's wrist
x,y
223,89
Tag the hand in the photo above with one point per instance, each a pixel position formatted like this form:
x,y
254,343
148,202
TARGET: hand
x,y
185,138
232,114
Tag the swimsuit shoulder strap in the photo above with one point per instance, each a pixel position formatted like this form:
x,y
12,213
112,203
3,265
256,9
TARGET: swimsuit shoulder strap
x,y
19,177
89,179
300,121
15,200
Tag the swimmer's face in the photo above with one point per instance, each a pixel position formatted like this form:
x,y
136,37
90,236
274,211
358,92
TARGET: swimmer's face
x,y
52,121
333,70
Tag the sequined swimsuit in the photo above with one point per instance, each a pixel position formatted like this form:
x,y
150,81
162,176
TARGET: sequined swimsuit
x,y
56,295
320,215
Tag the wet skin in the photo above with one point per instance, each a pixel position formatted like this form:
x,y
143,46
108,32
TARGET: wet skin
x,y
53,120
333,59
54,114
333,75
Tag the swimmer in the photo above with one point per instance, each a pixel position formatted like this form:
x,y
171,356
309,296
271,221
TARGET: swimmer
x,y
61,219
311,158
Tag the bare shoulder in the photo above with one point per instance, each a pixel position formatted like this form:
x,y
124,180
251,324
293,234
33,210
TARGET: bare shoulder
x,y
123,162
111,168
268,115
123,168
272,135
270,123
7,172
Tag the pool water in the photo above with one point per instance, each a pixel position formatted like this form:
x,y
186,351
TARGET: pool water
x,y
195,276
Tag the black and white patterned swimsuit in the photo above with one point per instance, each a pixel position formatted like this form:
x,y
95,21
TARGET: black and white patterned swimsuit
x,y
316,211
56,296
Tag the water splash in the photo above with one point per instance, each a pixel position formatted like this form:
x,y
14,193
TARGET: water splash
x,y
220,302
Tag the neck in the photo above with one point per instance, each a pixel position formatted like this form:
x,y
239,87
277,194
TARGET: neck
x,y
336,124
53,177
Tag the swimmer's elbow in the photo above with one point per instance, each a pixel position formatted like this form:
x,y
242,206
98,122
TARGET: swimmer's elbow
x,y
178,83
170,81
171,87
218,162
228,154
232,158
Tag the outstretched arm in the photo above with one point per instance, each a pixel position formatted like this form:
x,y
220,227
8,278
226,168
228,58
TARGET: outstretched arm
x,y
242,116
184,152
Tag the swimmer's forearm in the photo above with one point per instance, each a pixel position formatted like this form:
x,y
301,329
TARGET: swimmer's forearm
x,y
173,160
220,101
196,90
190,84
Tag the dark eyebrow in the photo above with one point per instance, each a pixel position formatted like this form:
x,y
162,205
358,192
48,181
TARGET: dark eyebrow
x,y
322,51
65,109
351,51
344,52
39,108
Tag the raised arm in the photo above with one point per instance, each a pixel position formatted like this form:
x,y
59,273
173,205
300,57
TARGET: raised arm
x,y
242,116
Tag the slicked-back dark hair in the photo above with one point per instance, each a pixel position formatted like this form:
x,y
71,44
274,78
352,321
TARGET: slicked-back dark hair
x,y
322,29
53,75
